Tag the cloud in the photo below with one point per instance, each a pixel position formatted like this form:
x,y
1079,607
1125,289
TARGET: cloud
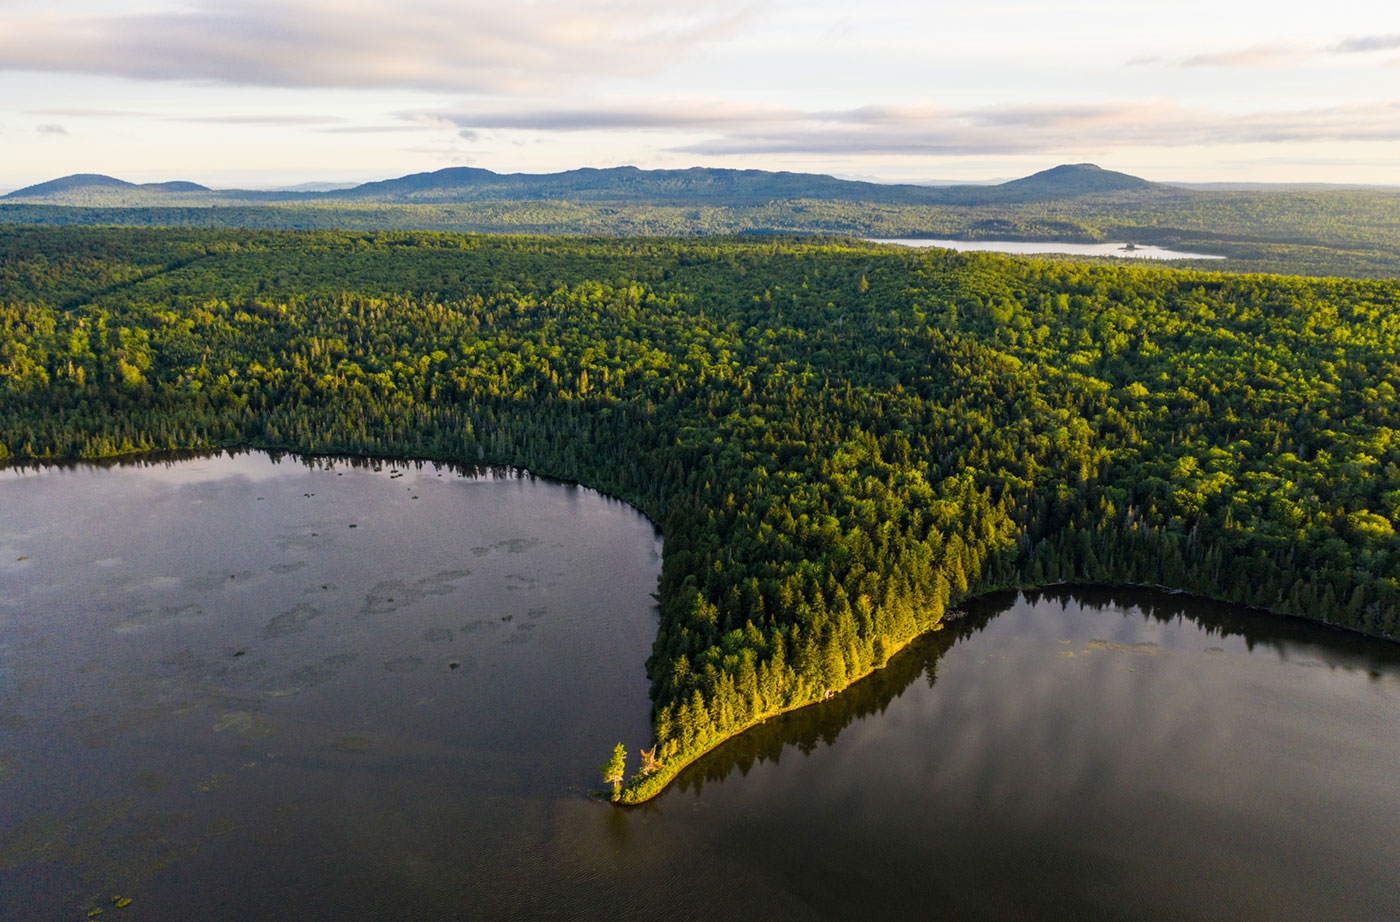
x,y
371,129
662,114
1276,56
926,128
277,119
478,45
281,120
52,130
1045,129
79,112
1367,43
1258,56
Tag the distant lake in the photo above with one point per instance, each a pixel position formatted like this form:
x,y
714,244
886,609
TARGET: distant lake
x,y
1023,247
220,700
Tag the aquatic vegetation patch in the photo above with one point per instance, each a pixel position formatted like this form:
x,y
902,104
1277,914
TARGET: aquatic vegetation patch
x,y
355,742
510,546
1145,648
389,596
293,621
308,676
248,724
155,617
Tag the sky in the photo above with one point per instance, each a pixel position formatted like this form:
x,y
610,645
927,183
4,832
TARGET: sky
x,y
266,93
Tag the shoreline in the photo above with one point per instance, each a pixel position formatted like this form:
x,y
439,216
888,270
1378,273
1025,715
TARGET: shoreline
x,y
663,777
656,783
638,790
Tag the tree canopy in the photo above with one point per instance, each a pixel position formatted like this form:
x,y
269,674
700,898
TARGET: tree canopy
x,y
839,441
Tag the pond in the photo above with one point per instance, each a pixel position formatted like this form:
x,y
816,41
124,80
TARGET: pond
x,y
221,701
1025,247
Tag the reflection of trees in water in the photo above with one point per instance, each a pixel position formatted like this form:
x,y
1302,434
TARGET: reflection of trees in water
x,y
1284,634
169,459
821,723
150,459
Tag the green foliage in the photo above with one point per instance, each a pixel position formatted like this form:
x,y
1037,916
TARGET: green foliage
x,y
615,769
839,441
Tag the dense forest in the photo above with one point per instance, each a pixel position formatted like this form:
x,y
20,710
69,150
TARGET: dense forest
x,y
839,440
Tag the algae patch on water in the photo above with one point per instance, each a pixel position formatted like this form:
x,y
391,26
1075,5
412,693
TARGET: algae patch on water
x,y
151,617
510,546
245,723
214,781
308,676
293,621
389,596
354,743
71,836
1145,648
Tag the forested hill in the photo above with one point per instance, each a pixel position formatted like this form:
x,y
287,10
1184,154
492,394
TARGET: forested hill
x,y
1339,232
81,188
708,186
839,441
623,185
1069,180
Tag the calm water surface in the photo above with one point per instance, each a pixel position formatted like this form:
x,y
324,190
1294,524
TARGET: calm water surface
x,y
1139,251
221,701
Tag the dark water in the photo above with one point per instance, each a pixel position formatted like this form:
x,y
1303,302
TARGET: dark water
x,y
225,708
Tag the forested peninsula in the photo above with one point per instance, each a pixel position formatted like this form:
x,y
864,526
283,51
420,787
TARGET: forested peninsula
x,y
839,440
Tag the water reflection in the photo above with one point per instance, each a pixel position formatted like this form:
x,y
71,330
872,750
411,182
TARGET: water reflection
x,y
301,684
1078,753
1292,640
219,699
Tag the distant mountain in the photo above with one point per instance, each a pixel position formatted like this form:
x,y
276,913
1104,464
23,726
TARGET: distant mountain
x,y
1073,179
67,184
704,185
95,188
87,181
617,185
177,186
625,184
